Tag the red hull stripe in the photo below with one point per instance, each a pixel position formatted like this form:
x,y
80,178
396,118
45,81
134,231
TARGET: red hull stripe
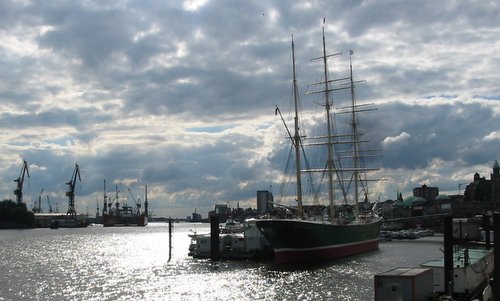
x,y
323,253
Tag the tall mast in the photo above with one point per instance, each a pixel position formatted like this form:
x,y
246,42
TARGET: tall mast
x,y
331,195
296,137
146,204
355,138
97,205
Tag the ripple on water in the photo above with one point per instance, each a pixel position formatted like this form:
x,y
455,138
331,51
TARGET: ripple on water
x,y
99,263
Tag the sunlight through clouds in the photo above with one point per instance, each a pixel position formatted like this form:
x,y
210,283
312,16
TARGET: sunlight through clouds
x,y
181,95
193,5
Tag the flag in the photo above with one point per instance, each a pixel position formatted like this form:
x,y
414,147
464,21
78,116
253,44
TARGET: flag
x,y
324,20
351,52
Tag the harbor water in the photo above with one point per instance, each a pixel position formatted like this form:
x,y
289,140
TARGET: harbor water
x,y
132,263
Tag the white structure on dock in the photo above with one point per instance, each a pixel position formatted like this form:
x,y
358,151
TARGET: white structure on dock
x,y
471,268
412,284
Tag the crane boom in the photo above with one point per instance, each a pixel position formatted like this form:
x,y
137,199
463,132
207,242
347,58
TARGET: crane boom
x,y
136,201
20,181
71,191
50,205
37,208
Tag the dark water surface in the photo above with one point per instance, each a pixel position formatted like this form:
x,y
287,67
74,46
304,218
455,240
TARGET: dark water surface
x,y
131,263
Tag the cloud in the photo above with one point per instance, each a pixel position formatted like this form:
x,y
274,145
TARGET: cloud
x,y
493,136
179,96
397,139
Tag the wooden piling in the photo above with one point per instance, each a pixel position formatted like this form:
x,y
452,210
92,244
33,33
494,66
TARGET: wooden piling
x,y
486,227
214,238
169,238
448,255
496,255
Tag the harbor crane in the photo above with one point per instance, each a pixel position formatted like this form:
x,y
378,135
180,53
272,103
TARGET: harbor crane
x,y
37,208
136,201
20,181
50,205
71,192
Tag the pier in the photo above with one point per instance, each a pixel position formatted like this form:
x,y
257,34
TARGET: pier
x,y
463,273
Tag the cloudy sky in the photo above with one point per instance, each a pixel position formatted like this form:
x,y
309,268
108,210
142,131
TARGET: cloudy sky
x,y
180,95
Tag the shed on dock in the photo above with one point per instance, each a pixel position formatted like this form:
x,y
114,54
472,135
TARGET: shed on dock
x,y
404,284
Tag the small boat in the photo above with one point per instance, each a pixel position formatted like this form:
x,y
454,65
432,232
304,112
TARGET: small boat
x,y
248,243
303,237
232,226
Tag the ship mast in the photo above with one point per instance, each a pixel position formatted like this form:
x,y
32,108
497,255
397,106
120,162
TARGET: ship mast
x,y
146,204
296,137
331,195
357,151
355,138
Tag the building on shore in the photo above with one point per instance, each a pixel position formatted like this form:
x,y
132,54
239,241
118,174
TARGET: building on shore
x,y
264,201
426,192
495,185
481,196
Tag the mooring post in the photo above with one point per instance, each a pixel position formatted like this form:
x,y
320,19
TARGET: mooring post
x,y
169,238
496,256
486,227
460,234
448,255
214,238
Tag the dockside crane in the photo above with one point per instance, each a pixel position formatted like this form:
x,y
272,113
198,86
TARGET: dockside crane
x,y
37,208
50,205
20,181
71,192
136,201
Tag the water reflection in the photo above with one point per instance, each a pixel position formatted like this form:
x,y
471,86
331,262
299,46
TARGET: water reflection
x,y
99,263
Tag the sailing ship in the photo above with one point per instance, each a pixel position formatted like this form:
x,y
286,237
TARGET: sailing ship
x,y
303,238
123,215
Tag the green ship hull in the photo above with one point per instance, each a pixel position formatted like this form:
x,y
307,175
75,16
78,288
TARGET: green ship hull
x,y
296,240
